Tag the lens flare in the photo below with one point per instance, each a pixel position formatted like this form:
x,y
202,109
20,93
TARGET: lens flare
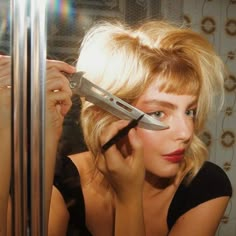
x,y
62,9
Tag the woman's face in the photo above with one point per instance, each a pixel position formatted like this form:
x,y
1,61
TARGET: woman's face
x,y
164,149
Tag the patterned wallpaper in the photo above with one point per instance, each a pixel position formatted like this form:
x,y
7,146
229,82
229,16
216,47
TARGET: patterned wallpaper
x,y
216,19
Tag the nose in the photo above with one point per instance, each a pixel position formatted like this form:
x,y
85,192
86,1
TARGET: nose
x,y
182,128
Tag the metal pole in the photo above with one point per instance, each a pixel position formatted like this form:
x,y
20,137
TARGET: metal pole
x,y
19,122
38,225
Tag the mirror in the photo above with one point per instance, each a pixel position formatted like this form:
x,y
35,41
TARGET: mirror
x,y
5,111
67,22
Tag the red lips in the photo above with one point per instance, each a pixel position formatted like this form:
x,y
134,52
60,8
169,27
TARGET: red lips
x,y
175,157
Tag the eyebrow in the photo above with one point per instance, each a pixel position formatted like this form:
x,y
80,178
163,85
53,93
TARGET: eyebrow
x,y
167,104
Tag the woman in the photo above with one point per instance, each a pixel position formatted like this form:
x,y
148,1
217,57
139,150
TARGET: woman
x,y
151,182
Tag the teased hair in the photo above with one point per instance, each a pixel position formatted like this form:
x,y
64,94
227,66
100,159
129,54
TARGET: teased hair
x,y
125,61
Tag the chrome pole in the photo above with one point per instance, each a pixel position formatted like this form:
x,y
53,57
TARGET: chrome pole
x,y
19,123
38,47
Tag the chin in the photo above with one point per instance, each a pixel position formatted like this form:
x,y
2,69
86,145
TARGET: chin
x,y
166,171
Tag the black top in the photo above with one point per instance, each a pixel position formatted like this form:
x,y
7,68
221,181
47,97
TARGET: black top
x,y
210,182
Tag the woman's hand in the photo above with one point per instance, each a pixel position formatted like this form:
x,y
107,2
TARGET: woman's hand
x,y
5,92
122,164
125,172
58,103
58,95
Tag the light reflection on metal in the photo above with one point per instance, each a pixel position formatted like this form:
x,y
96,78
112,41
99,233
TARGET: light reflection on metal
x,y
19,123
38,34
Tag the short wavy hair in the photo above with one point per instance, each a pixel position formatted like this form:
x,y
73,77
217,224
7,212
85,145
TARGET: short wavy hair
x,y
125,60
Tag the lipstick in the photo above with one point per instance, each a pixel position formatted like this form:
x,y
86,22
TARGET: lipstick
x,y
175,157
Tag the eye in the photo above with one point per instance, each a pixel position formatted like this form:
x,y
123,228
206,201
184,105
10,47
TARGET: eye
x,y
157,114
191,113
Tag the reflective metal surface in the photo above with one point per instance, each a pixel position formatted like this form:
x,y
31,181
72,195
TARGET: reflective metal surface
x,y
19,144
30,32
38,202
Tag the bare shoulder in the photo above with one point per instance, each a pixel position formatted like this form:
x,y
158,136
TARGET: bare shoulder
x,y
58,216
82,160
202,220
205,201
84,163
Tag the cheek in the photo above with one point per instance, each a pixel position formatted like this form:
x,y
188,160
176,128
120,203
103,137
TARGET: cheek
x,y
153,148
151,140
152,143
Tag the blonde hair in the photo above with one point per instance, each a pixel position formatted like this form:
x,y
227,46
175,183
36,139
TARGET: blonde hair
x,y
125,60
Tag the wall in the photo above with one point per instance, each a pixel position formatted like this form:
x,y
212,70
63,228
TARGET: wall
x,y
216,19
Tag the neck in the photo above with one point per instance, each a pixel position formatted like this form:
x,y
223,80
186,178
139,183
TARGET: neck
x,y
154,185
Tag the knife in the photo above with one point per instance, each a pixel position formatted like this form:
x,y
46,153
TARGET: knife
x,y
110,103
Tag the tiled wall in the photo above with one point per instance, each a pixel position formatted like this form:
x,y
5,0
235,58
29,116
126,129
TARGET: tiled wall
x,y
217,20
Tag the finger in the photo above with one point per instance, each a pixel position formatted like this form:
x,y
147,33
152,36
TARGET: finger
x,y
135,140
5,81
5,99
5,95
62,108
113,156
5,67
58,84
101,164
6,71
60,66
115,161
57,81
136,146
113,129
59,96
5,60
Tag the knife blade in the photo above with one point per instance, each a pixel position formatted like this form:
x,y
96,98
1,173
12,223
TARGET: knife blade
x,y
111,103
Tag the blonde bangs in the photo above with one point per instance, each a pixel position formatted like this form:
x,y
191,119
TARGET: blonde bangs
x,y
179,82
177,74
